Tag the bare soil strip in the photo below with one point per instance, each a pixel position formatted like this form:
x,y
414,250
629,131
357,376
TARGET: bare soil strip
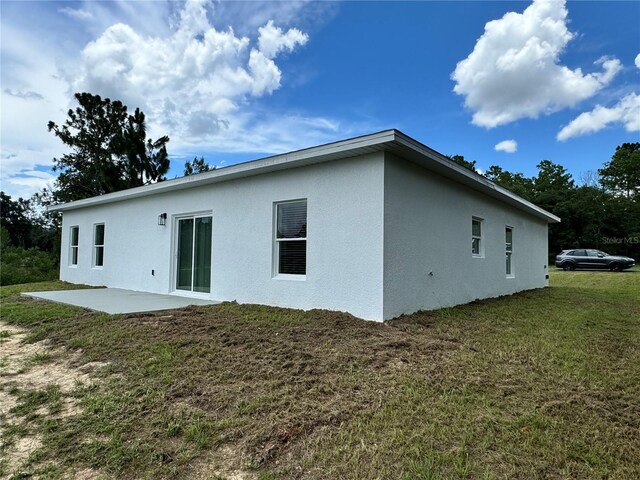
x,y
34,367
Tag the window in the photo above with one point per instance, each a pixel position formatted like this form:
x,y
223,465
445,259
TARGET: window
x,y
73,246
98,245
476,237
291,238
508,238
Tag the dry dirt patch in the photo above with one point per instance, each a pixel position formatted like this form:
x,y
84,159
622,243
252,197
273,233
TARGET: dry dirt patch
x,y
31,367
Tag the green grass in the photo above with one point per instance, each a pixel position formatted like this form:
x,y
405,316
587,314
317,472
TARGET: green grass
x,y
30,402
539,384
41,358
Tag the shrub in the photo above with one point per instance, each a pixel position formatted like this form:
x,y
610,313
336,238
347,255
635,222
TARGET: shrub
x,y
20,265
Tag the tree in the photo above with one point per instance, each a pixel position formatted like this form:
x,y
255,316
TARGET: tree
x,y
621,175
589,179
197,165
553,189
14,219
514,182
21,263
459,159
28,224
585,216
109,150
45,225
552,177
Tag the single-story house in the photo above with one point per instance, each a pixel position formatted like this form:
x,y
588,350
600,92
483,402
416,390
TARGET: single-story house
x,y
378,226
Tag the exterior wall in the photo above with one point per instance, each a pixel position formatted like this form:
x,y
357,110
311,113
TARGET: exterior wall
x,y
385,237
427,243
344,246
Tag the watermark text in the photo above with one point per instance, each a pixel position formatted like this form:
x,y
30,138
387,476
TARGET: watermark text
x,y
621,240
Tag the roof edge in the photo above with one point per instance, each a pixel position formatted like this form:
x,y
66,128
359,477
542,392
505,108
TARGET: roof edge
x,y
482,183
391,139
261,165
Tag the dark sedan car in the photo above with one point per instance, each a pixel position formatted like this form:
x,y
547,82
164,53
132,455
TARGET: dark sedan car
x,y
585,258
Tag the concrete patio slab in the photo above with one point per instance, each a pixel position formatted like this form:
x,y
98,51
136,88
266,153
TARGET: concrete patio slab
x,y
118,300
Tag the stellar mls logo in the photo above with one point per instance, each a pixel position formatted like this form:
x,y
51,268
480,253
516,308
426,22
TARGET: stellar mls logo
x,y
621,240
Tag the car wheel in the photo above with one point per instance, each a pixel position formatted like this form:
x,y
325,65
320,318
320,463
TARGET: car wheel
x,y
615,267
568,266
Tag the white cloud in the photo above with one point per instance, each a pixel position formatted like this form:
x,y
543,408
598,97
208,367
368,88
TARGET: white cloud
x,y
508,146
197,83
514,70
29,181
626,112
279,134
77,13
27,95
19,177
637,61
191,83
33,94
273,40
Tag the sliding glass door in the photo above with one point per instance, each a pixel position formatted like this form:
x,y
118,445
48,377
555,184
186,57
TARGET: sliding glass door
x,y
193,270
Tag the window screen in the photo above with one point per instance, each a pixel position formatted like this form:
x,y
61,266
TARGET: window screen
x,y
508,237
73,245
291,238
98,245
476,236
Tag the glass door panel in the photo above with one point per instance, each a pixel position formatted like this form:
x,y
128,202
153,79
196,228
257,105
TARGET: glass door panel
x,y
193,272
202,254
185,254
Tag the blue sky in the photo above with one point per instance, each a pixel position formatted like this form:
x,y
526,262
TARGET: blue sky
x,y
506,83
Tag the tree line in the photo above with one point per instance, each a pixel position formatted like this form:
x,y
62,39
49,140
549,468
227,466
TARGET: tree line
x,y
601,210
109,151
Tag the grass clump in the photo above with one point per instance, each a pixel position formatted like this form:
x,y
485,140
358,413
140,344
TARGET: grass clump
x,y
30,402
41,358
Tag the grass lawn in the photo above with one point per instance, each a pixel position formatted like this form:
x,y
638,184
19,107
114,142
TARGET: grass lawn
x,y
537,385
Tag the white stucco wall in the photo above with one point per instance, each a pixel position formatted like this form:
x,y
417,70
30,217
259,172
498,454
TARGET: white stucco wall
x,y
377,227
344,247
428,230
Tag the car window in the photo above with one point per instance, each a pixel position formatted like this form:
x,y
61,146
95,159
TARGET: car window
x,y
567,252
593,253
579,253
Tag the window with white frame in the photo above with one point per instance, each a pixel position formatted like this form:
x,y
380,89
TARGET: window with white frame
x,y
476,237
291,238
74,236
508,239
98,245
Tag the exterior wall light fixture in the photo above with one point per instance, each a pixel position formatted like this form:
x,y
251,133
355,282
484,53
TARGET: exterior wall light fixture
x,y
162,219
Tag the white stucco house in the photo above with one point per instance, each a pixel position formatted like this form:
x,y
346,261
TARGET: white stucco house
x,y
378,226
